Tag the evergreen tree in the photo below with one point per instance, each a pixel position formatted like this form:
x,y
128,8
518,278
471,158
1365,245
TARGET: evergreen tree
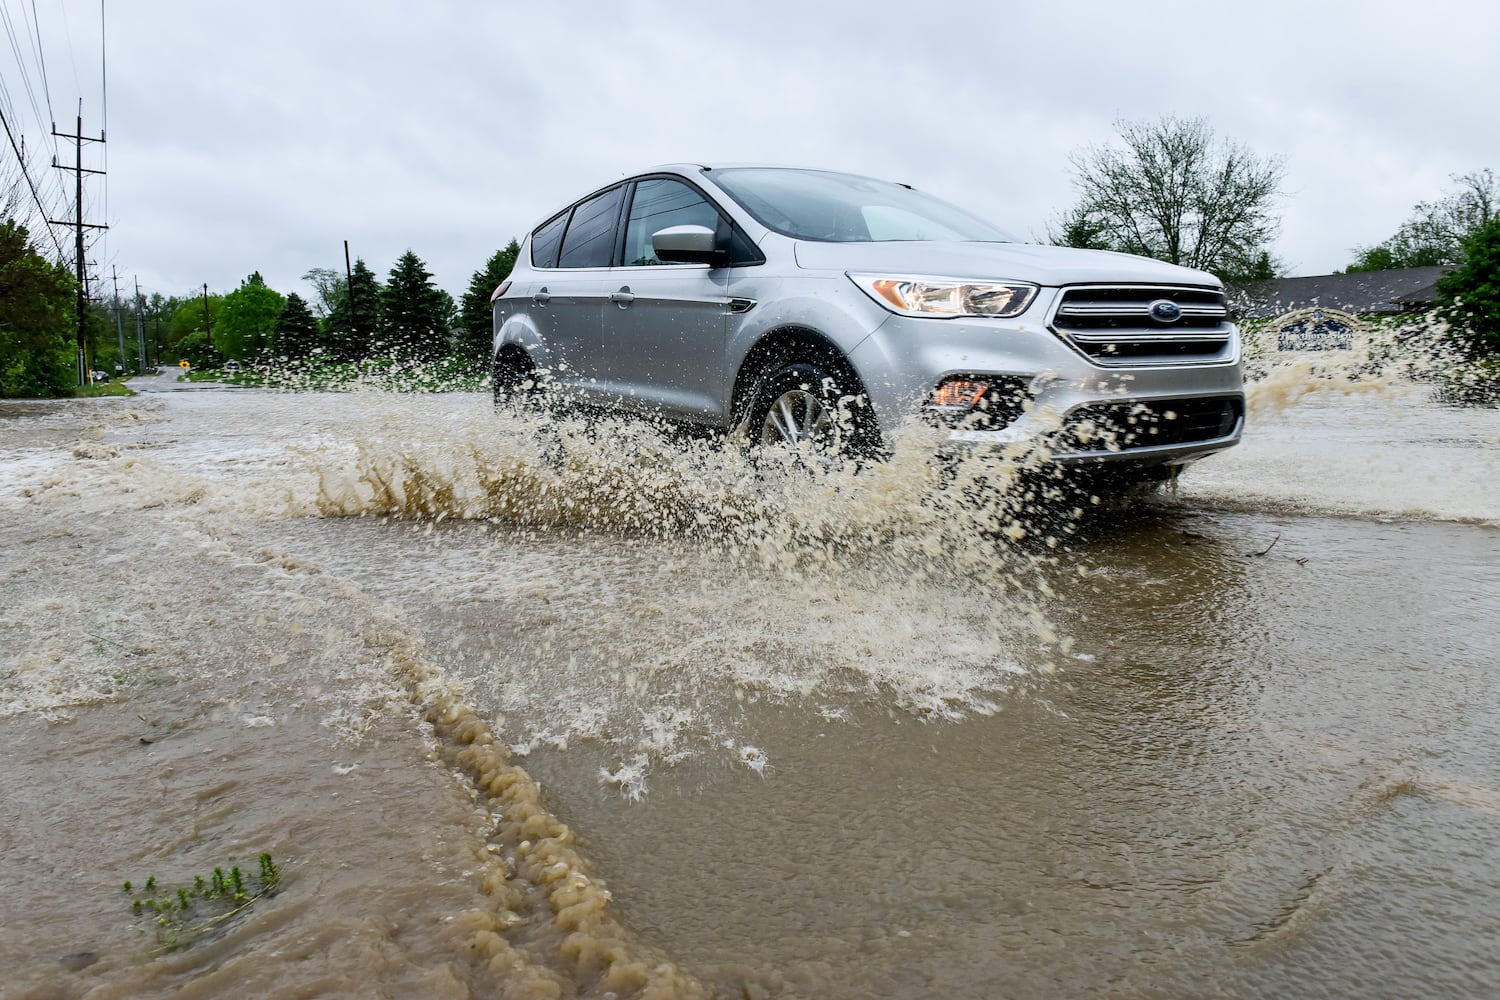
x,y
1470,295
414,310
476,316
297,333
354,321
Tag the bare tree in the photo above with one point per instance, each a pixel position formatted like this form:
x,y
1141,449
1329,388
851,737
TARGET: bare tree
x,y
1176,192
329,286
16,199
12,192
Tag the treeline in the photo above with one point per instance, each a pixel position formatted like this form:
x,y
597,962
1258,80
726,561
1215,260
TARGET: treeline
x,y
347,318
341,320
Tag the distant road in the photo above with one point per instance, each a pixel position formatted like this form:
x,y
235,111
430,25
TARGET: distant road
x,y
168,382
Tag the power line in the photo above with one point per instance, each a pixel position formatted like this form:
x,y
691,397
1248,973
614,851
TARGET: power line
x,y
68,34
32,187
104,105
33,49
103,76
41,61
15,47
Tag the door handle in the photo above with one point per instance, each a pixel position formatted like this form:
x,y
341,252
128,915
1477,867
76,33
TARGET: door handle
x,y
623,297
541,297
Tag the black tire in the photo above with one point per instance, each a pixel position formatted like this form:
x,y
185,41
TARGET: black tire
x,y
807,406
513,380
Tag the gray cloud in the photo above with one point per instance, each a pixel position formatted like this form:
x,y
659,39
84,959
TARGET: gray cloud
x,y
260,137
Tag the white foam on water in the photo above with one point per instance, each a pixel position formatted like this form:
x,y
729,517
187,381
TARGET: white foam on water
x,y
1364,432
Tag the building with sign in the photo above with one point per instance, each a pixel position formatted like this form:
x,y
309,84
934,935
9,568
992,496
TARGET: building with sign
x,y
1324,312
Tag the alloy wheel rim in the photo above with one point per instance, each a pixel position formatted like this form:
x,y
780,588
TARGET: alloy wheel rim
x,y
797,416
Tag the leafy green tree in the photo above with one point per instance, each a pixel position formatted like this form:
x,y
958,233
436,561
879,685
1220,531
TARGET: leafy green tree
x,y
354,320
414,309
297,333
247,321
1383,258
194,315
158,312
197,348
475,316
38,313
102,338
1175,192
1470,295
1438,231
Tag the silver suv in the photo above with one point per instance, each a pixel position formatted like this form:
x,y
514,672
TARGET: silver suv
x,y
825,309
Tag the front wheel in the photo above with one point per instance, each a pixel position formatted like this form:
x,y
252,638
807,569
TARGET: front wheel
x,y
806,407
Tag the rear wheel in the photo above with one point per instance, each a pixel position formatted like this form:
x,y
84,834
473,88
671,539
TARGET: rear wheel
x,y
513,380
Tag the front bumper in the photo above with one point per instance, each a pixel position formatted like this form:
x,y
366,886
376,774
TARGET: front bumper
x,y
1081,412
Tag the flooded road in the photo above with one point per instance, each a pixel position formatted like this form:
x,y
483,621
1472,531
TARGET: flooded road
x,y
529,711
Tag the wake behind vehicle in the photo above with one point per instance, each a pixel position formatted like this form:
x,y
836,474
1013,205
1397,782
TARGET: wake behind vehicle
x,y
824,310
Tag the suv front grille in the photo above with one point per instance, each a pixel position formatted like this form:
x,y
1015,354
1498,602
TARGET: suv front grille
x,y
1123,426
1115,326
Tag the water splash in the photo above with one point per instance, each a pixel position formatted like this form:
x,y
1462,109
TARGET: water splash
x,y
917,581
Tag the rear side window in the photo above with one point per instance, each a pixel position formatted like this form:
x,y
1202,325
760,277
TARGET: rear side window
x,y
590,240
546,241
658,203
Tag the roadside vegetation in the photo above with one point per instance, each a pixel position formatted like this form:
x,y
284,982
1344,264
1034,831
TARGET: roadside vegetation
x,y
1169,189
1460,231
402,333
396,372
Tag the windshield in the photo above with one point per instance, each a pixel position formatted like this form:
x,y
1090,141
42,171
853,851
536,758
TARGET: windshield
x,y
844,208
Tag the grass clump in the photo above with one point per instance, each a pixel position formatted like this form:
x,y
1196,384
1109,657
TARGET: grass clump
x,y
182,915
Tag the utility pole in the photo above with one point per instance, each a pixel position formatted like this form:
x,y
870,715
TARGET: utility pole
x,y
119,326
208,325
140,327
79,226
349,290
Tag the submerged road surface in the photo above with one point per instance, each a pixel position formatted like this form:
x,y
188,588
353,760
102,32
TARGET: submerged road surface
x,y
529,709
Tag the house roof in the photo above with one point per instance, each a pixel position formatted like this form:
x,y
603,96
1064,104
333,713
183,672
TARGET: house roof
x,y
1364,292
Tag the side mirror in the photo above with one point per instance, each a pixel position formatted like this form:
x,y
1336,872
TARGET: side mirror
x,y
688,245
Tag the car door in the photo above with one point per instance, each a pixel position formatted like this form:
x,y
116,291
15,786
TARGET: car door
x,y
664,329
568,302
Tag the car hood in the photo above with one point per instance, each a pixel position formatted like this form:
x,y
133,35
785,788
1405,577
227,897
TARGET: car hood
x,y
1045,265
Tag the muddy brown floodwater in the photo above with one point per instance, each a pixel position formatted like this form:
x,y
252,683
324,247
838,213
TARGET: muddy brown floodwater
x,y
524,708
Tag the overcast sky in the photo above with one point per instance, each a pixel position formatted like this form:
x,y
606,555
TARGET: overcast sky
x,y
247,137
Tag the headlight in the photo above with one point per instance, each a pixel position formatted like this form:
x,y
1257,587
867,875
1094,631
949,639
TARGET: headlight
x,y
947,296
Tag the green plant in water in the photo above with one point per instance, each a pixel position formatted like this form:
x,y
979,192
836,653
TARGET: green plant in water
x,y
186,914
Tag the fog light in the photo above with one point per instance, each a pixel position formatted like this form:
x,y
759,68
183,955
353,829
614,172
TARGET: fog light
x,y
957,394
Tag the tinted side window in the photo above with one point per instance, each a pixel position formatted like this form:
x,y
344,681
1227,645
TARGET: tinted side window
x,y
659,203
590,241
546,241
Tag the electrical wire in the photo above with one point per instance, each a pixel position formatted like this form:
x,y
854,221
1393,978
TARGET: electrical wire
x,y
26,174
41,61
15,133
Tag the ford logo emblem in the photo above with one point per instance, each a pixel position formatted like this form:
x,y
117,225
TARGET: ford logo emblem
x,y
1165,311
